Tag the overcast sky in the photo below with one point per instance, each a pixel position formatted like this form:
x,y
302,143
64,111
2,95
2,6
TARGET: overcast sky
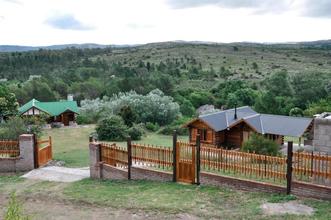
x,y
48,22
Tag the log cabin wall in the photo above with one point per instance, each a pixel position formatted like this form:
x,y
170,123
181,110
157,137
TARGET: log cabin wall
x,y
207,134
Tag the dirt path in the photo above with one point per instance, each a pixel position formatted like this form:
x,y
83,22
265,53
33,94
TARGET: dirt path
x,y
44,208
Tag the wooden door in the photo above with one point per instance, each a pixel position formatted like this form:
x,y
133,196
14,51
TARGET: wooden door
x,y
65,119
185,163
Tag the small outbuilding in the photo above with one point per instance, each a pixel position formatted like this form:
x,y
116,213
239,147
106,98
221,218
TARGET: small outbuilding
x,y
58,112
232,127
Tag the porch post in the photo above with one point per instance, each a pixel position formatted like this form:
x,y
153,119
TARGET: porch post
x,y
198,159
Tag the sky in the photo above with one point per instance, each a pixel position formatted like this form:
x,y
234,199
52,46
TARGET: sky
x,y
50,22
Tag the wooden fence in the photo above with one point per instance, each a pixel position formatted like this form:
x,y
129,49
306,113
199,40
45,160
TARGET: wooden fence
x,y
152,156
9,149
114,155
44,151
242,163
312,166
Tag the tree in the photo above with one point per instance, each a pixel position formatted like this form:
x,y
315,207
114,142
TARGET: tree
x,y
279,85
8,103
128,115
268,103
296,112
260,145
308,88
112,129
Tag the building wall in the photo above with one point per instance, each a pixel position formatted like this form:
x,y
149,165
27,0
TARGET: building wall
x,y
322,135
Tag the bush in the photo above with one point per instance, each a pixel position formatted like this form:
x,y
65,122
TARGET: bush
x,y
112,129
136,132
152,126
84,119
261,145
176,125
15,126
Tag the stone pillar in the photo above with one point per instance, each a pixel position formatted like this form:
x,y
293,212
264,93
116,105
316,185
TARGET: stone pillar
x,y
95,163
26,158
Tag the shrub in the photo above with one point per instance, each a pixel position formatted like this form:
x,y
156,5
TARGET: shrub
x,y
152,126
261,145
136,132
112,129
15,126
84,119
154,107
128,115
176,125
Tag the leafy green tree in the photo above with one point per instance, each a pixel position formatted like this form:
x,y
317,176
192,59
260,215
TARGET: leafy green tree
x,y
268,103
279,85
296,112
199,98
322,105
261,145
308,88
128,115
112,128
8,103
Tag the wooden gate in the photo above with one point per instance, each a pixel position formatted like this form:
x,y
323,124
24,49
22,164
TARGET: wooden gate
x,y
43,152
185,162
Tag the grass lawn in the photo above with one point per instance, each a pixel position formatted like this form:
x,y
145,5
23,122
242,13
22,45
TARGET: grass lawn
x,y
71,144
156,200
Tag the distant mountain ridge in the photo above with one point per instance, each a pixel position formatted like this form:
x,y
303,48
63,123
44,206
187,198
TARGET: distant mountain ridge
x,y
19,48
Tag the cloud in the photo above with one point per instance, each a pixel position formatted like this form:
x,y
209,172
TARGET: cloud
x,y
67,22
307,8
140,26
12,1
253,4
317,8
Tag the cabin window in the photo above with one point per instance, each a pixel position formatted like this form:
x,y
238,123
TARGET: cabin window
x,y
203,134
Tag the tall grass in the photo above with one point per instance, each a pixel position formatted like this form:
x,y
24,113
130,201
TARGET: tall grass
x,y
14,209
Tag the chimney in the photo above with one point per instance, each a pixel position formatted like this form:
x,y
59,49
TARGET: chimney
x,y
70,97
235,112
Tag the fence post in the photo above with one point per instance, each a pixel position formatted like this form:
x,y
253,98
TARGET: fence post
x,y
289,167
51,146
129,157
35,149
174,155
90,138
198,158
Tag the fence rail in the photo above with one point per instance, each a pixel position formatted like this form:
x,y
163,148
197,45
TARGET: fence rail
x,y
242,163
114,155
9,149
152,156
311,166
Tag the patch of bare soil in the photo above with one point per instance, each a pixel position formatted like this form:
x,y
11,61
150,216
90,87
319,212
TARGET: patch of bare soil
x,y
292,208
45,208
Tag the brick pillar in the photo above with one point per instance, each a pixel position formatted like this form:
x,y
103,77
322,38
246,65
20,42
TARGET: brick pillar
x,y
95,163
26,159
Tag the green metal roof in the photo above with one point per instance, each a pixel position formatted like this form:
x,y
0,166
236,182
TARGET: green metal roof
x,y
51,108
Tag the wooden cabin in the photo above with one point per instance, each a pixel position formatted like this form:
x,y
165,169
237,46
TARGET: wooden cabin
x,y
231,128
56,112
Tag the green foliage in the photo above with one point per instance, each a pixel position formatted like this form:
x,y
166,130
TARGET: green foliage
x,y
176,125
268,103
112,129
8,103
128,115
296,112
152,126
308,88
323,105
280,198
15,126
136,131
199,98
84,119
14,209
260,145
278,84
186,108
